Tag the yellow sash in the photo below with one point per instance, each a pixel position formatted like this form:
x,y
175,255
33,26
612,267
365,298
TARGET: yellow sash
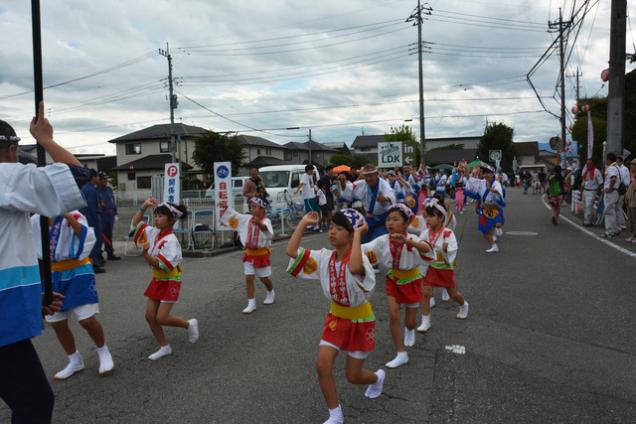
x,y
68,264
160,274
406,274
258,252
351,312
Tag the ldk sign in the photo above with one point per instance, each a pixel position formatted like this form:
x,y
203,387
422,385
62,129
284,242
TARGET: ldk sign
x,y
389,154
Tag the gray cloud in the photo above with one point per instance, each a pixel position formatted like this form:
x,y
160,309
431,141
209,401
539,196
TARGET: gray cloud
x,y
80,38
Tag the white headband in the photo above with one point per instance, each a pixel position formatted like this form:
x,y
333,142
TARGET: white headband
x,y
9,138
434,203
176,212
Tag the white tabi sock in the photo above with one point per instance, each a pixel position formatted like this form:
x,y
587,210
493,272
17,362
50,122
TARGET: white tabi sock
x,y
163,351
106,364
75,364
335,416
402,358
193,330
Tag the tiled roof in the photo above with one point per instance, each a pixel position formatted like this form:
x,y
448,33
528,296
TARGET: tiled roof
x,y
161,131
150,162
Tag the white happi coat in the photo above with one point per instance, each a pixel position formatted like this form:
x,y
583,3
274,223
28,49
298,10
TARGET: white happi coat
x,y
361,191
251,236
480,187
380,248
68,245
50,191
358,288
446,235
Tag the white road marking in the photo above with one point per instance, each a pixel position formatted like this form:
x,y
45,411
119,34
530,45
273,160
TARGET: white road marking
x,y
457,349
521,233
589,233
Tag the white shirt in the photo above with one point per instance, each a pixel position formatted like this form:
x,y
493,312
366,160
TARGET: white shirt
x,y
322,199
409,258
624,173
307,182
595,182
26,189
612,171
250,234
362,192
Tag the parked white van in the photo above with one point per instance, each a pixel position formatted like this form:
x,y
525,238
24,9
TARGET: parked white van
x,y
281,181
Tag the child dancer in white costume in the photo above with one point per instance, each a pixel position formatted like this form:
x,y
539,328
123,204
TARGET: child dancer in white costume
x,y
347,279
255,232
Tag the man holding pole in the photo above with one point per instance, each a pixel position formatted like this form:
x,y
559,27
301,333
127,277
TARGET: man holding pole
x,y
50,191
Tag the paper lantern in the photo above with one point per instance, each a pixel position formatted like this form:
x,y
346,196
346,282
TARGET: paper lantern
x,y
605,75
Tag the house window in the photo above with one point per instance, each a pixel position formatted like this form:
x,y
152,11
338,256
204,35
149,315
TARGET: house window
x,y
164,147
131,176
133,149
288,155
296,153
143,182
268,151
258,151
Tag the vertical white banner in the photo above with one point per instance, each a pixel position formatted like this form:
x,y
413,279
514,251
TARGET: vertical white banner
x,y
222,193
172,183
590,135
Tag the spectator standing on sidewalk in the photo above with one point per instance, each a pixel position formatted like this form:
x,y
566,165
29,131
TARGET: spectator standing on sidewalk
x,y
624,178
630,202
253,187
308,187
611,196
592,180
108,214
91,212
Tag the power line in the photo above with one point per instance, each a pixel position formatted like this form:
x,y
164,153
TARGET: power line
x,y
541,24
184,48
121,65
461,21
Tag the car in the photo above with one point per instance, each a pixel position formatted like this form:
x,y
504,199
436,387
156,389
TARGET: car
x,y
237,187
281,181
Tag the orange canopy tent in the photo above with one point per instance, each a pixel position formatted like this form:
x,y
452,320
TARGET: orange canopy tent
x,y
342,168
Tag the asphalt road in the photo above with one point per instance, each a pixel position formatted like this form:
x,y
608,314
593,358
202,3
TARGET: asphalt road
x,y
550,339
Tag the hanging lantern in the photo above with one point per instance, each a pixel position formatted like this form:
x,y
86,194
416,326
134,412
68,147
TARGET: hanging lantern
x,y
586,108
605,75
575,110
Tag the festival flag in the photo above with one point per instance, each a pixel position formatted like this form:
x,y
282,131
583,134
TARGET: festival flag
x,y
590,135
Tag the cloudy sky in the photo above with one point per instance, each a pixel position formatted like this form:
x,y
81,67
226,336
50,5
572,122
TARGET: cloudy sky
x,y
339,67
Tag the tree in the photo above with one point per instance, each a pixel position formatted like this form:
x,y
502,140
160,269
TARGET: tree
x,y
598,108
404,133
340,160
598,111
213,147
497,136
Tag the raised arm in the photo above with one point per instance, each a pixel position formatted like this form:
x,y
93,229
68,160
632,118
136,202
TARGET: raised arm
x,y
139,215
294,242
355,261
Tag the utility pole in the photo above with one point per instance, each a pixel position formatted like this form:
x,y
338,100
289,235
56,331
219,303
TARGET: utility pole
x,y
173,99
578,84
417,17
616,90
561,26
309,146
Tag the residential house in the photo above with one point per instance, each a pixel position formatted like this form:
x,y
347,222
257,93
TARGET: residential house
x,y
339,146
97,161
142,154
309,151
526,153
259,152
438,150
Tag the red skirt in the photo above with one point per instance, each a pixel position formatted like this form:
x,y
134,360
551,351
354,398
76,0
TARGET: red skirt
x,y
440,278
405,294
349,336
163,291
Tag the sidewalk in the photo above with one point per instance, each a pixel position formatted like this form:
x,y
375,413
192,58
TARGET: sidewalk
x,y
598,231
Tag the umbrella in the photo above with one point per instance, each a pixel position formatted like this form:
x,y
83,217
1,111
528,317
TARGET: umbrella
x,y
478,162
443,166
342,168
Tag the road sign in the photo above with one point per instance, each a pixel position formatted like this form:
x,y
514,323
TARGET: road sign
x,y
222,192
390,154
172,183
408,154
494,155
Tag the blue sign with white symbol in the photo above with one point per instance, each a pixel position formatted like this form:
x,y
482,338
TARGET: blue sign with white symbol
x,y
222,171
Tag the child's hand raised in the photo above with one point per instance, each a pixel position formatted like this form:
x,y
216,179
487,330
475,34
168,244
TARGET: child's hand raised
x,y
311,218
150,202
363,228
